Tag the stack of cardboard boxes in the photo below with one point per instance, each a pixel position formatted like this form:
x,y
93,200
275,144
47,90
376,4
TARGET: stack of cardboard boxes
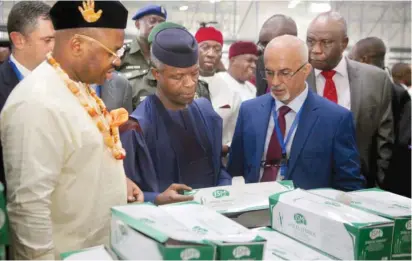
x,y
317,224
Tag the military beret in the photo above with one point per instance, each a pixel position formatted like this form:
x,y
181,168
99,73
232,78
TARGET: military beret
x,y
240,47
88,14
175,47
209,34
161,26
150,10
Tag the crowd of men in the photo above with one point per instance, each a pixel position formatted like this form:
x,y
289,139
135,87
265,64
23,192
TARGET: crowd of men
x,y
283,109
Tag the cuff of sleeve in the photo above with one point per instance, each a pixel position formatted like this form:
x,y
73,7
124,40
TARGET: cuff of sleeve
x,y
150,196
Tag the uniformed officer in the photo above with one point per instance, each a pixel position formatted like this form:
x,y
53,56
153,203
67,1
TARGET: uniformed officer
x,y
135,64
148,85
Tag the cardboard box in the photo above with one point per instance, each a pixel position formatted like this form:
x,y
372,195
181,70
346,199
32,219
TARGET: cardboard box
x,y
384,204
180,232
246,204
4,221
281,247
93,253
331,227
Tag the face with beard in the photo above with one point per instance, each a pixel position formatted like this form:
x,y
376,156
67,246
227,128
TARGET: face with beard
x,y
286,67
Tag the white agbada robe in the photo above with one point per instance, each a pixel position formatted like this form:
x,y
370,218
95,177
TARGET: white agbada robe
x,y
226,103
62,180
246,90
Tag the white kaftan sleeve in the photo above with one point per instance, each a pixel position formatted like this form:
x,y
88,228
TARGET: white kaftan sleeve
x,y
34,150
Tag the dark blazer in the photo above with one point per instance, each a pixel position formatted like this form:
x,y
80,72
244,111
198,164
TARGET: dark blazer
x,y
323,152
261,83
8,80
371,105
398,179
117,93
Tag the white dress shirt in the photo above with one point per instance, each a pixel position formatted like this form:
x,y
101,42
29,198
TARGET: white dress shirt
x,y
226,103
62,179
245,90
23,70
341,80
295,105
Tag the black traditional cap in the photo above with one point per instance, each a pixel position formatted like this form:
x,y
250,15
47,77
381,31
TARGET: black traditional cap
x,y
162,26
175,47
83,14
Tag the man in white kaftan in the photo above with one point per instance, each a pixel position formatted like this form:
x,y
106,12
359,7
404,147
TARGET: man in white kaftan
x,y
62,178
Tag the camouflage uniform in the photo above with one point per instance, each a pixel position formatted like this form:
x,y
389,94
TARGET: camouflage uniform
x,y
137,70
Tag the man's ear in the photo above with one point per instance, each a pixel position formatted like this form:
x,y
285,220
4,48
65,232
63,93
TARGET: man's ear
x,y
17,40
155,73
137,24
76,46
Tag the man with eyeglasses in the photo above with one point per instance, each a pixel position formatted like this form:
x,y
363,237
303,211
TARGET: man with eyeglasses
x,y
62,155
363,89
135,64
172,137
291,133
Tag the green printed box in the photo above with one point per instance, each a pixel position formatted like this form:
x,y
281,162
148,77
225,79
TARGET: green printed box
x,y
4,222
331,227
180,232
384,204
246,204
281,247
92,253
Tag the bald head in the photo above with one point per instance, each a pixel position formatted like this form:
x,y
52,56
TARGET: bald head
x,y
326,40
369,50
401,73
277,25
287,67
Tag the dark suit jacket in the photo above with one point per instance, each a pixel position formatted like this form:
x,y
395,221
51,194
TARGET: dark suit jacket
x,y
399,178
371,105
117,93
323,152
261,83
8,80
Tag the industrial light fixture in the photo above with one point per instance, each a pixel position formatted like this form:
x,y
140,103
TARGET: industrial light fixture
x,y
293,3
320,7
183,8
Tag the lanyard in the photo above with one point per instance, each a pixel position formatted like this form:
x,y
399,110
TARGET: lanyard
x,y
16,70
283,143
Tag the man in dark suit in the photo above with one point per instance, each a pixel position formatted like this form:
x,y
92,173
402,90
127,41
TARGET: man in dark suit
x,y
30,44
361,88
276,25
116,92
372,50
291,133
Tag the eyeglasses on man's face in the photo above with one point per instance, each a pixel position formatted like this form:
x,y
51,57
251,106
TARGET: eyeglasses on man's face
x,y
283,75
118,54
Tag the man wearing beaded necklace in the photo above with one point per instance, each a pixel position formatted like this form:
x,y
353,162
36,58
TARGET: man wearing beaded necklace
x,y
63,157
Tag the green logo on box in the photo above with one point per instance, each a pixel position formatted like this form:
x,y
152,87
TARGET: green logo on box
x,y
375,233
190,253
199,230
408,225
220,193
300,219
331,203
241,251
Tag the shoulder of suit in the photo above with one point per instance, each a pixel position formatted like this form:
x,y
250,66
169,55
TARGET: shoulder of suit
x,y
368,70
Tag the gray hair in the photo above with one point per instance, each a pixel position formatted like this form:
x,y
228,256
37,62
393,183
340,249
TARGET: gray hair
x,y
24,15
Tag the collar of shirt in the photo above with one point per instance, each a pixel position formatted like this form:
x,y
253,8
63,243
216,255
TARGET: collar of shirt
x,y
404,86
296,103
341,68
23,70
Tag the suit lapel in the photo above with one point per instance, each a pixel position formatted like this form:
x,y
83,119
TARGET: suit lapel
x,y
306,122
261,123
355,86
311,80
107,91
